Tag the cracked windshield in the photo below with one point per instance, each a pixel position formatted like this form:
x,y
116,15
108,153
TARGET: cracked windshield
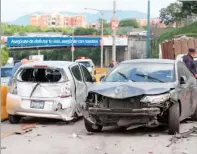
x,y
105,76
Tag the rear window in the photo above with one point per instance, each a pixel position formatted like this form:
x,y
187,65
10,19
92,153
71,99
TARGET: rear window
x,y
86,63
40,75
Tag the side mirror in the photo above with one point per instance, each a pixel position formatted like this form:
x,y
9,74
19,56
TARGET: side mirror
x,y
183,80
93,79
102,77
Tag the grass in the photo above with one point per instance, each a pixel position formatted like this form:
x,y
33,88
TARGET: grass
x,y
190,30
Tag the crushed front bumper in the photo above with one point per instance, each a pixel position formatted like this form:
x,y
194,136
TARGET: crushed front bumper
x,y
125,112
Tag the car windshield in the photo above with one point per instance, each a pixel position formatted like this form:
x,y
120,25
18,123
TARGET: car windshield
x,y
142,72
85,63
6,72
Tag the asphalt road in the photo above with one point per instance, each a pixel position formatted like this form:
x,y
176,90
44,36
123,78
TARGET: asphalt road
x,y
56,137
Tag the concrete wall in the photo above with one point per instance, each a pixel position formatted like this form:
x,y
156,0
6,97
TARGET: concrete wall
x,y
121,54
136,47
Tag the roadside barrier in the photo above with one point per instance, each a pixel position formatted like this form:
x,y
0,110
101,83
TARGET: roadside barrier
x,y
4,91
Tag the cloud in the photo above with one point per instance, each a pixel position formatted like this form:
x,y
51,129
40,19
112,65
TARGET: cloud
x,y
12,9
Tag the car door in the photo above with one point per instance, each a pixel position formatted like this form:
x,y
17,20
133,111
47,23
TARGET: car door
x,y
80,86
87,78
184,91
192,85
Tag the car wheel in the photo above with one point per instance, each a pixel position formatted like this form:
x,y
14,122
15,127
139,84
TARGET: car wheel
x,y
194,117
174,119
14,119
92,128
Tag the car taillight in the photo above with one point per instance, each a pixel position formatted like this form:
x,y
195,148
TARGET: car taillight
x,y
65,90
14,88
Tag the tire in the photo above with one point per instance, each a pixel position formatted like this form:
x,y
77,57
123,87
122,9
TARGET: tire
x,y
174,119
14,119
89,126
194,117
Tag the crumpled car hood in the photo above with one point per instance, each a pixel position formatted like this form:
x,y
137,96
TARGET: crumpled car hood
x,y
121,90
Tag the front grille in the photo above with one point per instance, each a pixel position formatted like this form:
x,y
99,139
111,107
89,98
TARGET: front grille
x,y
129,103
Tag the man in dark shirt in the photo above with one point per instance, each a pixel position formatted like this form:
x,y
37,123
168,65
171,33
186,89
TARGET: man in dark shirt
x,y
189,61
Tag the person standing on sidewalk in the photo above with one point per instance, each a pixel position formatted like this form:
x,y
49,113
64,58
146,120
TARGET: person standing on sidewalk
x,y
189,61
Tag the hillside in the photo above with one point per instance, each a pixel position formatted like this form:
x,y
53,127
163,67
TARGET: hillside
x,y
91,17
190,30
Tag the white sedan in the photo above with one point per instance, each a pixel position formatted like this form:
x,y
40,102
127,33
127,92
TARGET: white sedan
x,y
49,89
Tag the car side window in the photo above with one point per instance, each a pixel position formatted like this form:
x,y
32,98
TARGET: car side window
x,y
76,72
184,71
87,76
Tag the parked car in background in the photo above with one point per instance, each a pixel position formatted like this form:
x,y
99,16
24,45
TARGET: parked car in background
x,y
87,63
48,89
6,72
140,93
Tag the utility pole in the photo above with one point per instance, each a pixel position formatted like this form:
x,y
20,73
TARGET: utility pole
x,y
148,32
114,33
102,40
72,49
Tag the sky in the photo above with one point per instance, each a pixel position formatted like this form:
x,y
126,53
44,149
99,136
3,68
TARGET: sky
x,y
12,9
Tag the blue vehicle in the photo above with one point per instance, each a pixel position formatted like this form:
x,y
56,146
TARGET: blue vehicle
x,y
6,73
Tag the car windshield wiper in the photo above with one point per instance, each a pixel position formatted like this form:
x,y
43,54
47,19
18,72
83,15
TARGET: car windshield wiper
x,y
124,76
149,77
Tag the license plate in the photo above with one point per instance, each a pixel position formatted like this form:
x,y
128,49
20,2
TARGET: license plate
x,y
37,104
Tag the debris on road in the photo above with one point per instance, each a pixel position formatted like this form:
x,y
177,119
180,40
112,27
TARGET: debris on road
x,y
151,135
74,135
39,135
21,132
90,133
187,134
3,148
97,148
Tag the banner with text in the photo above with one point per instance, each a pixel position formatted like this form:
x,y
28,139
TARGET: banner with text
x,y
53,41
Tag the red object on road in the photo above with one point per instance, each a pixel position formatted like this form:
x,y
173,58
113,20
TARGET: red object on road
x,y
114,23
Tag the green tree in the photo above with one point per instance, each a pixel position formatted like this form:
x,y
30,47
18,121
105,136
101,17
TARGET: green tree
x,y
189,8
129,23
86,31
172,14
4,55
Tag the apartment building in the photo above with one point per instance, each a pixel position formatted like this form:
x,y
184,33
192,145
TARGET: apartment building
x,y
154,22
58,20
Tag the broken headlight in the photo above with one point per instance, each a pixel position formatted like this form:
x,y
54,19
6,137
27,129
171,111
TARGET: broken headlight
x,y
155,98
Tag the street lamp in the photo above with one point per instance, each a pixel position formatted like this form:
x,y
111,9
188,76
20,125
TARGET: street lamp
x,y
148,32
101,12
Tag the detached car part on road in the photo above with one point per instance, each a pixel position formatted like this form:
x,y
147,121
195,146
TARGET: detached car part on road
x,y
143,93
50,89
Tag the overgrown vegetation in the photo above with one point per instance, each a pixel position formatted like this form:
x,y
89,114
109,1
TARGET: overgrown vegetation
x,y
21,30
190,30
4,55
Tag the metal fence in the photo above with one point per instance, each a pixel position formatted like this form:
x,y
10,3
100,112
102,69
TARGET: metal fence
x,y
172,48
